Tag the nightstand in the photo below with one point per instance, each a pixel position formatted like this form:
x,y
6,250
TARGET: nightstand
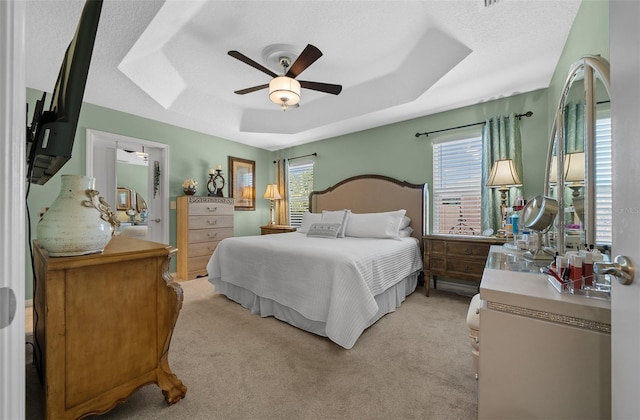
x,y
271,229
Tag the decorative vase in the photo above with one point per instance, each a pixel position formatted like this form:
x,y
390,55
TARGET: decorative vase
x,y
190,191
78,222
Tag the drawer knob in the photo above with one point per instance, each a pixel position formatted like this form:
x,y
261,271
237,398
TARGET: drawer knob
x,y
467,251
212,222
212,236
212,209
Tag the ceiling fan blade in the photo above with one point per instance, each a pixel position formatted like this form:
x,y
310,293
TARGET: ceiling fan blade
x,y
247,60
251,89
322,87
308,56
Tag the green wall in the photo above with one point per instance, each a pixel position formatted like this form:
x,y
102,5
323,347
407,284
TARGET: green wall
x,y
391,150
191,155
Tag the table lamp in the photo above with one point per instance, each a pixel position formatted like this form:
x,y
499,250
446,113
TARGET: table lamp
x,y
272,194
574,172
503,176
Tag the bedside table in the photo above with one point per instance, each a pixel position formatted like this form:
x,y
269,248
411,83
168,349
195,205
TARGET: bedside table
x,y
271,229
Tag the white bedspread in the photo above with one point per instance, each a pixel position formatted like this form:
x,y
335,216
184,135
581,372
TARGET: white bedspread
x,y
328,280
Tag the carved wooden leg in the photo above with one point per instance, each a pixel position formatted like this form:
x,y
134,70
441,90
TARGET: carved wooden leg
x,y
172,388
170,304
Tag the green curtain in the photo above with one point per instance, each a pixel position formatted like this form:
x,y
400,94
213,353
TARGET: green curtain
x,y
282,206
574,127
500,140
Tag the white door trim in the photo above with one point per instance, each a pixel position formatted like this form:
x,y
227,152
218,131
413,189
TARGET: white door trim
x,y
13,92
97,138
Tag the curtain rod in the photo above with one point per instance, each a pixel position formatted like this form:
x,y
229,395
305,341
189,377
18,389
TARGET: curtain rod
x,y
298,157
426,133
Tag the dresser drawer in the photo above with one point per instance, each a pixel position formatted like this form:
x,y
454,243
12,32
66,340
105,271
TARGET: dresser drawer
x,y
208,209
465,269
437,265
202,249
468,250
208,222
437,247
208,235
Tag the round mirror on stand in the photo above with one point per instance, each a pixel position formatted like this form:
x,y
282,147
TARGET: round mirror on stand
x,y
538,215
578,169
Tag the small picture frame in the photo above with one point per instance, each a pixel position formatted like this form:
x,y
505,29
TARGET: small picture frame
x,y
242,185
123,199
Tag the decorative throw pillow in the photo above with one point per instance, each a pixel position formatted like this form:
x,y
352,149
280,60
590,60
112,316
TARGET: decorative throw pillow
x,y
337,216
375,225
308,219
324,230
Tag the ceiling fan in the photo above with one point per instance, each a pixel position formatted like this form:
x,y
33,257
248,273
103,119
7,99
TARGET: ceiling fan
x,y
285,90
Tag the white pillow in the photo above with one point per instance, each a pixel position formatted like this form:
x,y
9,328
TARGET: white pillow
x,y
337,216
324,230
375,225
406,232
406,221
307,220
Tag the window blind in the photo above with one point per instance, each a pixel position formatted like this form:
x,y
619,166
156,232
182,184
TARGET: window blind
x,y
300,180
603,179
457,179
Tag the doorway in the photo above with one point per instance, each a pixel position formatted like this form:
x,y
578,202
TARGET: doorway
x,y
152,221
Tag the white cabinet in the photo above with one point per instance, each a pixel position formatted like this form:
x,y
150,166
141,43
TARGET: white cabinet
x,y
543,355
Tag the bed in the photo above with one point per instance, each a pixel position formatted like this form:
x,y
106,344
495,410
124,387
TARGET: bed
x,y
333,286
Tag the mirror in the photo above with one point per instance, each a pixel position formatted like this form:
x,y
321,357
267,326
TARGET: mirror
x,y
132,178
578,172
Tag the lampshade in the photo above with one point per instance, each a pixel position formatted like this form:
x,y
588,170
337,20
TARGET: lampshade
x,y
247,193
503,174
272,192
284,91
574,167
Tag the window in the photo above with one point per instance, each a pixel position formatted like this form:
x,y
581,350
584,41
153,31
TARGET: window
x,y
603,177
300,180
457,179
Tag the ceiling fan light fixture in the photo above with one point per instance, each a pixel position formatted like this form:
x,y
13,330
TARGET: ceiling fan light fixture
x,y
284,91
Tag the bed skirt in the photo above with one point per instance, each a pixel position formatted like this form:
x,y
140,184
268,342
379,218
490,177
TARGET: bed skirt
x,y
387,302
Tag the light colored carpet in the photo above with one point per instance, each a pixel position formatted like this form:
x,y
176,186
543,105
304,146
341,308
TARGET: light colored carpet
x,y
412,364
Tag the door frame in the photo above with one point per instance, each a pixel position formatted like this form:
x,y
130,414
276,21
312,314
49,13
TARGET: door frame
x,y
96,138
13,90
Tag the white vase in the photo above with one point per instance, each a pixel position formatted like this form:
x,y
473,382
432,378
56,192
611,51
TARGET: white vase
x,y
78,222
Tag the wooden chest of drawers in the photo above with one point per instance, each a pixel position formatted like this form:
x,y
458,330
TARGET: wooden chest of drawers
x,y
456,257
202,222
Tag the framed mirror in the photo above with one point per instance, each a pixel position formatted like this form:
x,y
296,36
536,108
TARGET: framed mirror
x,y
578,172
242,183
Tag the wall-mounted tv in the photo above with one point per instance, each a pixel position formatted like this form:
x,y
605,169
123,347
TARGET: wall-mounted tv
x,y
51,134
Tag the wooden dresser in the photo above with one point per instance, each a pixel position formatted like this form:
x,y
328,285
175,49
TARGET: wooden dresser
x,y
202,222
271,229
103,326
456,257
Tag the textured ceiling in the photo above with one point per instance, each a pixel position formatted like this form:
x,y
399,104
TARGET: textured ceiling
x,y
396,60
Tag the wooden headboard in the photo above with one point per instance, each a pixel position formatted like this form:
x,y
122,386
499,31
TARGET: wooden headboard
x,y
376,193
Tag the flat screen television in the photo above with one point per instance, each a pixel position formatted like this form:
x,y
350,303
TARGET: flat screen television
x,y
51,134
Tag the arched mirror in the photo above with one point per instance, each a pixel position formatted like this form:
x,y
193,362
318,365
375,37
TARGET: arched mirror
x,y
578,173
